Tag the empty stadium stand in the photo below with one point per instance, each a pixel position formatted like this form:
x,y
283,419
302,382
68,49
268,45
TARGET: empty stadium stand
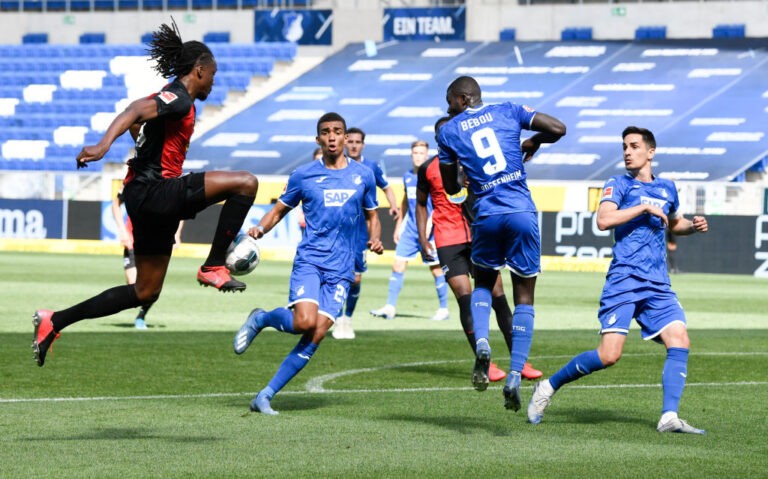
x,y
706,100
56,98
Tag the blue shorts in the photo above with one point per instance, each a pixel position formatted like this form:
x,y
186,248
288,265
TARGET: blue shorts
x,y
510,240
409,247
653,305
327,290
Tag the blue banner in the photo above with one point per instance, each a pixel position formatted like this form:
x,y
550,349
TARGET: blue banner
x,y
305,27
32,219
407,24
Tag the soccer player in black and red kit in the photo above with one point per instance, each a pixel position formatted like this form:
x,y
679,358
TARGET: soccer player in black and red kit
x,y
157,196
453,239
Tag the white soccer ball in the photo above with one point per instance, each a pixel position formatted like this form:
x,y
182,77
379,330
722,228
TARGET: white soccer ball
x,y
243,255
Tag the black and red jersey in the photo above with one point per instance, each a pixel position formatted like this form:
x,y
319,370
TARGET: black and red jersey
x,y
162,144
449,224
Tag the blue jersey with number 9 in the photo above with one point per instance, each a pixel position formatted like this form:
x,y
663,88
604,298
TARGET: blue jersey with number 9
x,y
486,141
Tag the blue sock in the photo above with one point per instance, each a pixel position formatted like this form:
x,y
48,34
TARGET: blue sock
x,y
581,365
280,318
481,312
442,290
522,336
395,285
673,378
292,364
354,293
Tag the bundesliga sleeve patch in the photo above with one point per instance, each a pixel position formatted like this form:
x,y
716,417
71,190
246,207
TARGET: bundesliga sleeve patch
x,y
608,192
528,109
167,96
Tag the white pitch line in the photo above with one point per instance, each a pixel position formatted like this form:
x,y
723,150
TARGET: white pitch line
x,y
316,385
347,391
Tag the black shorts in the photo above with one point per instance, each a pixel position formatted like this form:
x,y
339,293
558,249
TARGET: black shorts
x,y
129,260
156,209
455,259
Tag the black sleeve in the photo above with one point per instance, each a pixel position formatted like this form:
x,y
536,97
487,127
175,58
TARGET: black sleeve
x,y
173,103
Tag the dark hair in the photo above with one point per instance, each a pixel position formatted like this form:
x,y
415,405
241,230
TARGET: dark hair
x,y
331,116
174,57
420,143
357,130
648,137
465,85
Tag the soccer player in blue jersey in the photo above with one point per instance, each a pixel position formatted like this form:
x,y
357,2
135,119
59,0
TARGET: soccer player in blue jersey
x,y
639,208
354,145
334,192
408,246
485,140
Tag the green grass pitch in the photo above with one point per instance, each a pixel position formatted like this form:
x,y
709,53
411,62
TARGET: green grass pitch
x,y
396,402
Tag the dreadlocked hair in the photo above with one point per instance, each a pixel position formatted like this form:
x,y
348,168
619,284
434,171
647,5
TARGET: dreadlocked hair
x,y
174,58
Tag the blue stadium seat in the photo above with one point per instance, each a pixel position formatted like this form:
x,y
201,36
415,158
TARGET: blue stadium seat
x,y
128,4
655,32
33,5
104,5
56,5
10,5
93,37
152,4
507,34
576,33
177,4
216,37
34,38
729,31
80,5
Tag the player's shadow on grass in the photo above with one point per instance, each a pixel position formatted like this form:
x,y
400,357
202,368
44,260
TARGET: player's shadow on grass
x,y
131,326
284,403
110,434
460,425
595,416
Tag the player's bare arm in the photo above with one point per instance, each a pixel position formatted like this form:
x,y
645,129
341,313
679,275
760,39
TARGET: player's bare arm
x,y
269,220
682,226
610,216
549,129
399,218
374,231
421,225
394,211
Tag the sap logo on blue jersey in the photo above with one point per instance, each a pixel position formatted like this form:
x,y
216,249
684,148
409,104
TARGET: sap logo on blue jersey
x,y
337,197
647,200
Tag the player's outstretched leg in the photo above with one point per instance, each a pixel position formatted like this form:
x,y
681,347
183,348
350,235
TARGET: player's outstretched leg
x,y
44,335
482,364
669,422
512,391
245,336
542,396
219,278
261,404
